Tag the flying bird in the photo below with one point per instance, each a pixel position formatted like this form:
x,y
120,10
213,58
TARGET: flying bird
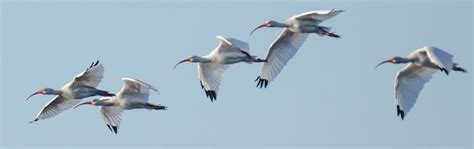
x,y
82,86
296,29
422,64
133,95
211,66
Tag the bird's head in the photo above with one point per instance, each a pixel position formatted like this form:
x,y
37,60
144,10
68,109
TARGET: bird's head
x,y
44,91
393,60
192,58
269,23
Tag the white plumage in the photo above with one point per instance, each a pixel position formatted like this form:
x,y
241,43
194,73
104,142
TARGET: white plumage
x,y
133,95
82,86
212,66
291,39
422,64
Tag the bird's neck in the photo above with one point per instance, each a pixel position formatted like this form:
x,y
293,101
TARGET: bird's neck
x,y
204,59
281,25
407,60
55,92
107,103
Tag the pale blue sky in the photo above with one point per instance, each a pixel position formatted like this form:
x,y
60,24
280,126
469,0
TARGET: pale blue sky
x,y
328,96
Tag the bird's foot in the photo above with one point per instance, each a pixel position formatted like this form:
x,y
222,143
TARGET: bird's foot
x,y
332,34
456,68
160,107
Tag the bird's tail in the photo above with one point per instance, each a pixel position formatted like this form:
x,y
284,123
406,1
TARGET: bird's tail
x,y
150,106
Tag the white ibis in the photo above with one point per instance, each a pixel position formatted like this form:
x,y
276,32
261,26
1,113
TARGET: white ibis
x,y
211,66
82,86
423,63
133,95
290,40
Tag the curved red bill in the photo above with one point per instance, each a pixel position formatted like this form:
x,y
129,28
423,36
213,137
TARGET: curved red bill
x,y
36,93
182,61
382,63
263,25
84,103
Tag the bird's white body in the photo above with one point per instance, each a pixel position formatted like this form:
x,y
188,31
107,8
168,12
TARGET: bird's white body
x,y
308,22
411,79
82,86
133,95
432,57
422,64
229,51
212,66
291,39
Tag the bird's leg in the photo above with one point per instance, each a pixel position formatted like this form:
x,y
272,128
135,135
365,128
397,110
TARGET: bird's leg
x,y
456,68
258,60
150,106
327,33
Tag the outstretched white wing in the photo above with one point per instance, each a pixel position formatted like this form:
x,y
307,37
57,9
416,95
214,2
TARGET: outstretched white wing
x,y
112,116
408,85
210,75
234,43
90,77
231,47
57,105
280,52
135,90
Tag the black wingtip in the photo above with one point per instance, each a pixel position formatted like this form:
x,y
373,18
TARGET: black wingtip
x,y
258,78
212,95
202,86
209,93
110,128
93,64
33,121
115,128
261,82
400,112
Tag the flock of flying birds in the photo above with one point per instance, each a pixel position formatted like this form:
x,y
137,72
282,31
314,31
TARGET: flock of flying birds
x,y
422,64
